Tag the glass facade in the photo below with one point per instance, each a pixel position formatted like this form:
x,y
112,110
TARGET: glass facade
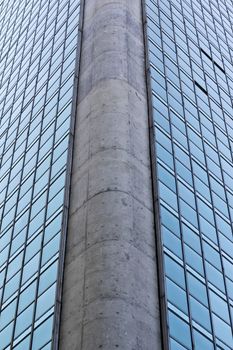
x,y
190,54
38,41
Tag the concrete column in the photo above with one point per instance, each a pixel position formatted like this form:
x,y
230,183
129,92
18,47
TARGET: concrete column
x,y
110,293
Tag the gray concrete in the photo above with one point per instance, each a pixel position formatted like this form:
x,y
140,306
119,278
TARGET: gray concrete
x,y
110,295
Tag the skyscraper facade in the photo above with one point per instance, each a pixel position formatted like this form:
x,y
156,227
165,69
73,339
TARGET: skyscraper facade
x,y
38,55
116,176
190,55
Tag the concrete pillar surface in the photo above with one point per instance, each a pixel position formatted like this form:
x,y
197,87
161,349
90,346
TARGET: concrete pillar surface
x,y
110,290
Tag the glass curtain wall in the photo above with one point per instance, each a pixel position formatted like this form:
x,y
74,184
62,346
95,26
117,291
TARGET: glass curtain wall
x,y
190,53
38,42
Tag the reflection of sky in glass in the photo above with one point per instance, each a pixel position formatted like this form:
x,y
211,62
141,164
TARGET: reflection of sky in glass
x,y
190,52
38,42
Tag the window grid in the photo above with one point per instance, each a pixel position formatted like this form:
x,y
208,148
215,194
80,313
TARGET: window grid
x,y
190,56
39,42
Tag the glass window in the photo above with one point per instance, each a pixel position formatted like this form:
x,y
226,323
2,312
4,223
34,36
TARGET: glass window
x,y
50,249
200,313
45,301
42,334
177,296
7,314
171,241
174,271
6,335
197,289
180,330
24,320
31,268
175,345
201,342
223,331
188,213
215,277
48,277
193,259
212,255
27,296
23,345
219,306
170,221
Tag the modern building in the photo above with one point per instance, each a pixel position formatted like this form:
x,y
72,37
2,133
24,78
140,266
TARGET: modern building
x,y
116,175
190,55
38,48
